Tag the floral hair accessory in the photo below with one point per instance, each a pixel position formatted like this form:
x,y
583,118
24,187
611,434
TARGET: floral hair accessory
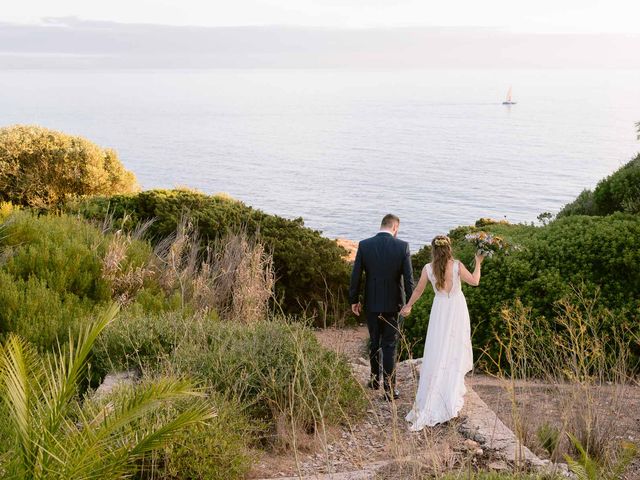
x,y
441,242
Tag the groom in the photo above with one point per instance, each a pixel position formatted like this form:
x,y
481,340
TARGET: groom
x,y
386,262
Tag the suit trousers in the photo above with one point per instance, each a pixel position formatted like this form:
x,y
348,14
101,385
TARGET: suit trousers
x,y
383,333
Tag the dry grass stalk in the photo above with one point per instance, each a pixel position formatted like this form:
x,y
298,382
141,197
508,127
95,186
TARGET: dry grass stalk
x,y
125,282
575,362
233,276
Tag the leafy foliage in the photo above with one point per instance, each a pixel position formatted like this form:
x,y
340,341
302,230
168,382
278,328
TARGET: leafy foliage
x,y
43,168
598,253
275,367
619,192
47,436
213,450
587,468
51,275
308,266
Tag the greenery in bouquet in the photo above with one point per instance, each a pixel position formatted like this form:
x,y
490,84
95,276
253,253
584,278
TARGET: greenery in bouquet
x,y
487,244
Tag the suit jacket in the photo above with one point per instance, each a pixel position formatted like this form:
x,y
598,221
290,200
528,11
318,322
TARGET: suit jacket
x,y
385,261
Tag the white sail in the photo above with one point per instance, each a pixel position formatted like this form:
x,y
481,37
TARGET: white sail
x,y
509,100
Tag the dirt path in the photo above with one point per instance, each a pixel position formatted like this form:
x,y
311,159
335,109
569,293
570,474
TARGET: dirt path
x,y
382,438
381,446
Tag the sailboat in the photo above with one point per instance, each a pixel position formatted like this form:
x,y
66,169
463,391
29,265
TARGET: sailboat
x,y
509,101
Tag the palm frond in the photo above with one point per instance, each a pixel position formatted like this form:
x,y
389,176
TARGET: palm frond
x,y
57,438
629,452
67,368
18,362
158,438
118,418
143,400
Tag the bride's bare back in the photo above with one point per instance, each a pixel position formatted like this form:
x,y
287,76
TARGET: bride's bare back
x,y
465,275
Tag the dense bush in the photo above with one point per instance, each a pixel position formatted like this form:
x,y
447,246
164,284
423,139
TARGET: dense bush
x,y
215,449
584,204
619,192
50,433
596,254
273,366
218,449
308,266
51,274
43,168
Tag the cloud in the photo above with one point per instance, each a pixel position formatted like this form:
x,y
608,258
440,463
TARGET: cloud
x,y
78,43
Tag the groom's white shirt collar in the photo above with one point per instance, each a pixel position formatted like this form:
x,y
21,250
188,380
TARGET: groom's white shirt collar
x,y
384,230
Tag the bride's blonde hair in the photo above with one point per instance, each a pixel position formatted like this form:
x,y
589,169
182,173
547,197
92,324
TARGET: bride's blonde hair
x,y
441,254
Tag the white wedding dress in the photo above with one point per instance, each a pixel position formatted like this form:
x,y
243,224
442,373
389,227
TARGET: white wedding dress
x,y
447,357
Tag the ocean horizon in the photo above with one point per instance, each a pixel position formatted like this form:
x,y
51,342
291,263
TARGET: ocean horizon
x,y
341,148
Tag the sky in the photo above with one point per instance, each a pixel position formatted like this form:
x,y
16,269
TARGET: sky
x,y
539,16
320,34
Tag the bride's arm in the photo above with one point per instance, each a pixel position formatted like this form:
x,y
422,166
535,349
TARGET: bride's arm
x,y
471,278
417,293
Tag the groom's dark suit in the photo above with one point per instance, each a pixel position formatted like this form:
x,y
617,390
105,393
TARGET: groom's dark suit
x,y
385,261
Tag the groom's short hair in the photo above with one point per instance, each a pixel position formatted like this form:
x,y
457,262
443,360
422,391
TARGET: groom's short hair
x,y
389,220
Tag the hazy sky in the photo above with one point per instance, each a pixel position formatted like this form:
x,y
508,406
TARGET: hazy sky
x,y
575,16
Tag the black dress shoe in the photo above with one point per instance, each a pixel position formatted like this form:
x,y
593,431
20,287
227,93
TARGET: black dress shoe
x,y
390,394
373,384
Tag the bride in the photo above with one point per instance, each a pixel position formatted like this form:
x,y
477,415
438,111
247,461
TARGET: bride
x,y
447,349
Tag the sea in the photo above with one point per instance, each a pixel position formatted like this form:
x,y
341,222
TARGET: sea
x,y
341,148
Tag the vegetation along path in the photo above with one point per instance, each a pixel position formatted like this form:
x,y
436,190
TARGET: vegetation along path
x,y
381,446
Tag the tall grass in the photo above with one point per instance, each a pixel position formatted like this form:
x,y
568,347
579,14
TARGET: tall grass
x,y
581,366
275,367
233,275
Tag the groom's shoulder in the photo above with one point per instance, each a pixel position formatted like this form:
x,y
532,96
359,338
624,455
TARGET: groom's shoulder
x,y
401,243
366,241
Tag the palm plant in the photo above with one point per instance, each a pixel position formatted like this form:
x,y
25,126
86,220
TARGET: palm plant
x,y
51,435
587,468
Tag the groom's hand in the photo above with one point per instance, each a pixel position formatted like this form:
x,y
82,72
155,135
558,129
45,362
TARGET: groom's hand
x,y
355,308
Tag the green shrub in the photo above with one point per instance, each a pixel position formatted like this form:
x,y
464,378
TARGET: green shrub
x,y
273,366
279,367
218,449
215,449
583,205
47,437
619,192
597,254
43,168
64,252
147,341
307,264
51,275
39,314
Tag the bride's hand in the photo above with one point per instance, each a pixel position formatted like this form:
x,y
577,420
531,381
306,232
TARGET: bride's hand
x,y
406,311
479,258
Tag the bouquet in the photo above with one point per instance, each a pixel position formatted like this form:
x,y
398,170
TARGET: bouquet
x,y
487,244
